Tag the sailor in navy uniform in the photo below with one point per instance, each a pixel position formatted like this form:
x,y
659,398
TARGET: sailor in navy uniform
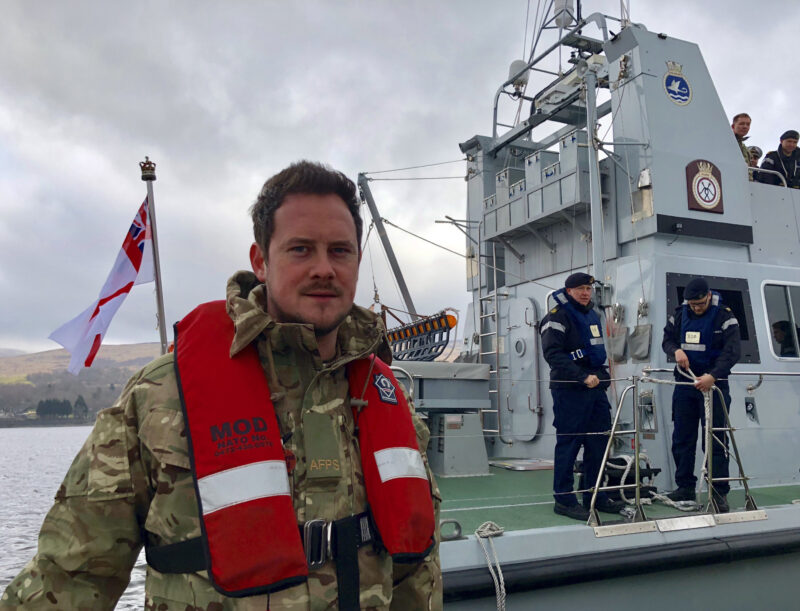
x,y
785,160
572,342
703,335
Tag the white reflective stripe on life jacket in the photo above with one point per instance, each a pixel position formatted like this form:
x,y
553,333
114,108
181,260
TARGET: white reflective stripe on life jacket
x,y
728,323
554,325
399,462
246,483
694,347
597,341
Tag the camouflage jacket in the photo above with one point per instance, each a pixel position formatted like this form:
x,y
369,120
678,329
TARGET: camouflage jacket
x,y
131,485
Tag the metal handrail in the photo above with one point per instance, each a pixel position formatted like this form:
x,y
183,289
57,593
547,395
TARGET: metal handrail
x,y
594,518
750,387
598,18
751,169
710,438
648,370
397,369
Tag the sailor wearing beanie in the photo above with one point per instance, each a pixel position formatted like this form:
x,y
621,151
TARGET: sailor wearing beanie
x,y
785,161
572,342
702,335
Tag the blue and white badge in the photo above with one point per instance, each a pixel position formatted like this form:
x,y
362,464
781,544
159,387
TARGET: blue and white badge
x,y
676,85
385,388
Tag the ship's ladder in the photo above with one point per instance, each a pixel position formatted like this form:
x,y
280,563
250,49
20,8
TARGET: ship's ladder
x,y
711,437
489,342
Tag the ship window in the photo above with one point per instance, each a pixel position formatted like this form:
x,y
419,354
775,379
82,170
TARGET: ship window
x,y
735,294
783,313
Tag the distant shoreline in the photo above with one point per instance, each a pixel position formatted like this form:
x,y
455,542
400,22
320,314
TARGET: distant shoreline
x,y
9,423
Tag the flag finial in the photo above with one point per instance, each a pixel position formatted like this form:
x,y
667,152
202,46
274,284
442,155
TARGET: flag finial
x,y
148,169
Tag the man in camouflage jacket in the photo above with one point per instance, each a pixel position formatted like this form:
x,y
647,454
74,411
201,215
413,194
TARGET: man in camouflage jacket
x,y
131,484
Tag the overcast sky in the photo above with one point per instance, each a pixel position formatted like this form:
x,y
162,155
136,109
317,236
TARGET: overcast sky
x,y
221,95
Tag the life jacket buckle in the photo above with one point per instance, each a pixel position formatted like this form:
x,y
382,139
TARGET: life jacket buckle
x,y
317,542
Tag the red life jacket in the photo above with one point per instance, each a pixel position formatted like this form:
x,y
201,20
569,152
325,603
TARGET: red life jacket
x,y
397,485
250,531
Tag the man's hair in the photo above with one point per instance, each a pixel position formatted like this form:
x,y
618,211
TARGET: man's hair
x,y
782,325
306,177
739,116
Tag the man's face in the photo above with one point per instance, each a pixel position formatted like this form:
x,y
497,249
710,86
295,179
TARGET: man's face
x,y
699,306
778,334
582,294
311,268
788,145
741,126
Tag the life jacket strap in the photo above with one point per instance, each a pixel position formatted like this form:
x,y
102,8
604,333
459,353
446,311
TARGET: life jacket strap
x,y
182,557
322,541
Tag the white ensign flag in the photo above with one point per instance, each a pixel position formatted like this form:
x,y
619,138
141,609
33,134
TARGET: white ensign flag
x,y
83,335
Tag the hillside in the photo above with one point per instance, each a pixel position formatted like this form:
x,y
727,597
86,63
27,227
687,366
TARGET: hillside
x,y
51,361
27,379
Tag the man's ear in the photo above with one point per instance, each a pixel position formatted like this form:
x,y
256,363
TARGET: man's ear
x,y
257,262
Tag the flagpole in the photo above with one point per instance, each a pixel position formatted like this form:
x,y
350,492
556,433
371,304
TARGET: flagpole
x,y
149,175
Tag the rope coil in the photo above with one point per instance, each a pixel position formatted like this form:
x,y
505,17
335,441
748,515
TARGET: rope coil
x,y
488,530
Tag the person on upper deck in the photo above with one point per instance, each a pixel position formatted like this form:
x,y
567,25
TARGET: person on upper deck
x,y
755,154
741,126
785,160
702,336
572,342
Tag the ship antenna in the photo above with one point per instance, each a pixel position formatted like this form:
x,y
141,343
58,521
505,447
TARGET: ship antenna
x,y
624,12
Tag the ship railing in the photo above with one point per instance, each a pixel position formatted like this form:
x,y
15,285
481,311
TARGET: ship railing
x,y
597,18
712,433
778,174
750,388
639,515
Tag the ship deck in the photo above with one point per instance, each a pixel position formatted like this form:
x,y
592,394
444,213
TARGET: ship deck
x,y
521,500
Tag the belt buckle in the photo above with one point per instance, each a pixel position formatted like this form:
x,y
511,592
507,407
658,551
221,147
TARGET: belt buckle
x,y
316,542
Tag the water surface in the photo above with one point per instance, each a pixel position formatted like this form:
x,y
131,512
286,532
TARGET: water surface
x,y
33,462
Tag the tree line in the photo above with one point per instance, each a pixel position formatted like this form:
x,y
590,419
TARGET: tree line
x,y
62,408
98,388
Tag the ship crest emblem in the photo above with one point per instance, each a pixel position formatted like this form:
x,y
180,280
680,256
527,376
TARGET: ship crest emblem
x,y
676,86
704,183
385,389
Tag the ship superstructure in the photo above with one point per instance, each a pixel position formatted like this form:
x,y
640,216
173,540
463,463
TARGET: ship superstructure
x,y
657,195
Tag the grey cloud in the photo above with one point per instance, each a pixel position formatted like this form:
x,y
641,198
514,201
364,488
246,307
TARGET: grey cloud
x,y
221,95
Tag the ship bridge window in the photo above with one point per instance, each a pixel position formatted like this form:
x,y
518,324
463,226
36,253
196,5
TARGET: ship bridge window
x,y
735,294
782,302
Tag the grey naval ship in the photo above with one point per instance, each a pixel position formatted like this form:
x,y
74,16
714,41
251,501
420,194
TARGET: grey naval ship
x,y
660,196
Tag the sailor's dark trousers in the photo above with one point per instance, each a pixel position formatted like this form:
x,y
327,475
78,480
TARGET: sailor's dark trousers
x,y
688,415
578,411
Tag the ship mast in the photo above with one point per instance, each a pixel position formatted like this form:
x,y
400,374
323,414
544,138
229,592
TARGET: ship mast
x,y
595,196
149,175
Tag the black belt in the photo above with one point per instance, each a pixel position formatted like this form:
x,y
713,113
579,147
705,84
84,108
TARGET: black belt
x,y
322,541
339,540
